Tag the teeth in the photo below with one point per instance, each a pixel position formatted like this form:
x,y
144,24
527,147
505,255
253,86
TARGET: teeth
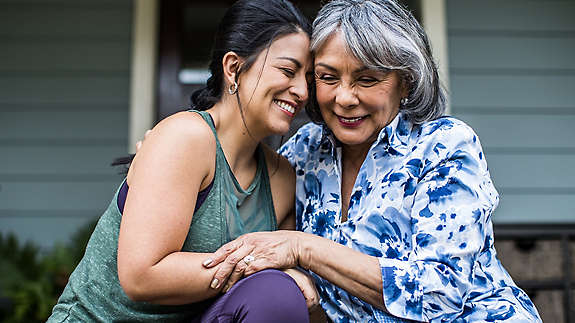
x,y
285,106
351,120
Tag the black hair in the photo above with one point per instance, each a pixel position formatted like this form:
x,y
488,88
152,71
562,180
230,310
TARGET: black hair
x,y
247,28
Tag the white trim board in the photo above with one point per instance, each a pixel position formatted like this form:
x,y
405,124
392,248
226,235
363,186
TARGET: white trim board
x,y
143,73
434,16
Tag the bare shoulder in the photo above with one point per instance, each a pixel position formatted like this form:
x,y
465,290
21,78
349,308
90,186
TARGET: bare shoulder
x,y
186,126
178,141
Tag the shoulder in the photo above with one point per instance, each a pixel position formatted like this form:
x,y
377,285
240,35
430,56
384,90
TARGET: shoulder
x,y
446,128
446,133
307,134
177,141
185,126
306,139
444,139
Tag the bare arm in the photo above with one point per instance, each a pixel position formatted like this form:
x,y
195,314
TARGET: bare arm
x,y
163,179
356,272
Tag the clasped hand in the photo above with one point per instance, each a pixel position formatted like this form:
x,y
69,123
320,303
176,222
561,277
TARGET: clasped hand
x,y
277,249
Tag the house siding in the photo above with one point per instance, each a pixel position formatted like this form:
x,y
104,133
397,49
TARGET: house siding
x,y
64,96
513,80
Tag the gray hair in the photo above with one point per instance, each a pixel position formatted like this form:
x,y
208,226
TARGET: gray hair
x,y
383,35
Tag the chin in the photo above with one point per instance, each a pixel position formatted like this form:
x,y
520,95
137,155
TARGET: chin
x,y
351,139
279,129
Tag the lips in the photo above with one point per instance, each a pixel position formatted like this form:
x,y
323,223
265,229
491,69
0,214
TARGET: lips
x,y
351,122
286,107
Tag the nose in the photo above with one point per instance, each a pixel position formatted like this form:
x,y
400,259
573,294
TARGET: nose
x,y
345,96
299,88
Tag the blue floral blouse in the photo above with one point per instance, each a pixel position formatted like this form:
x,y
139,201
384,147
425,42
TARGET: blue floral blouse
x,y
421,203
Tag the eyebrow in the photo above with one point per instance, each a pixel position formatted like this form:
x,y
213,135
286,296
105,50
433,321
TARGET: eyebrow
x,y
329,67
291,59
325,66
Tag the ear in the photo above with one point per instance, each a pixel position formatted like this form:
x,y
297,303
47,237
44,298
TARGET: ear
x,y
404,86
231,64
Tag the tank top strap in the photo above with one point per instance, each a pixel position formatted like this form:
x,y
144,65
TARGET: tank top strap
x,y
210,121
266,189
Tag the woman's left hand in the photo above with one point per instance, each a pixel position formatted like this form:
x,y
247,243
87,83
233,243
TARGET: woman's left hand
x,y
253,252
307,286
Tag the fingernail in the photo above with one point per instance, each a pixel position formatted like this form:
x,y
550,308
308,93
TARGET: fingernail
x,y
215,283
207,262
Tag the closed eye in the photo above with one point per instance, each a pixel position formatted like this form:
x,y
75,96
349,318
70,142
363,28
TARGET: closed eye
x,y
326,78
367,81
288,72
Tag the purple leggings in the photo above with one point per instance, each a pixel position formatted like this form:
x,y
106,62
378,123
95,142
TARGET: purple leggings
x,y
267,296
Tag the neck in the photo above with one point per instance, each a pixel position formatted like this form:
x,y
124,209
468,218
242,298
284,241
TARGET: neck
x,y
354,155
238,144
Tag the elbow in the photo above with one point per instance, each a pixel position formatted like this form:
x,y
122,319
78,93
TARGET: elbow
x,y
134,292
135,286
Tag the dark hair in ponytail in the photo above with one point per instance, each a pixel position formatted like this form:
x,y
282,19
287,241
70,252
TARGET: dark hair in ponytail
x,y
247,28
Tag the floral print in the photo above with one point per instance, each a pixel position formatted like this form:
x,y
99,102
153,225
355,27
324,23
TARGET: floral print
x,y
421,203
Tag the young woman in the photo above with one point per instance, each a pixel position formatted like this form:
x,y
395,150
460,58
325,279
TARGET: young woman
x,y
201,180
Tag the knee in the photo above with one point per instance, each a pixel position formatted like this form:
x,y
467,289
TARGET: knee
x,y
271,294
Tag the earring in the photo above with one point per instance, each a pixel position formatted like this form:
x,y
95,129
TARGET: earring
x,y
233,88
403,102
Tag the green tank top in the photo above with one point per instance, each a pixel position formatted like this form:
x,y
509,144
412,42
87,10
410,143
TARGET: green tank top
x,y
93,292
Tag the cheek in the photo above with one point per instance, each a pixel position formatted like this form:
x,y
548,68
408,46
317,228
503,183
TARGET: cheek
x,y
323,95
381,99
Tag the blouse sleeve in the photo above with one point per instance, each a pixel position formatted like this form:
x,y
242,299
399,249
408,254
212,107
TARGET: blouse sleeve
x,y
452,205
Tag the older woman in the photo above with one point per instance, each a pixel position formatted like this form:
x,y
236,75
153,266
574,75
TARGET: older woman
x,y
394,202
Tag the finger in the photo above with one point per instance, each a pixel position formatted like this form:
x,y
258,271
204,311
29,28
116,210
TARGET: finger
x,y
259,264
236,275
310,299
138,145
228,265
147,133
313,303
222,253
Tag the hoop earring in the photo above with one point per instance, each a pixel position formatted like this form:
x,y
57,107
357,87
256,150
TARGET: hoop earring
x,y
233,89
403,102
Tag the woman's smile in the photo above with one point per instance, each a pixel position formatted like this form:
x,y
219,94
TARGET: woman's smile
x,y
351,122
288,108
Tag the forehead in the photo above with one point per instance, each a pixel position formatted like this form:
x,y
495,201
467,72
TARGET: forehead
x,y
335,52
295,45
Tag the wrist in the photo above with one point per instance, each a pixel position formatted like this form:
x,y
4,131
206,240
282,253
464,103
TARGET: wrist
x,y
303,250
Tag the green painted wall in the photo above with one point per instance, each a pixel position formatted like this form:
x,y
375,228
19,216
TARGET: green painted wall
x,y
512,77
64,95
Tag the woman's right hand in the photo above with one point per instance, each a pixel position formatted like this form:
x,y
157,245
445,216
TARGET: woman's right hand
x,y
306,285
